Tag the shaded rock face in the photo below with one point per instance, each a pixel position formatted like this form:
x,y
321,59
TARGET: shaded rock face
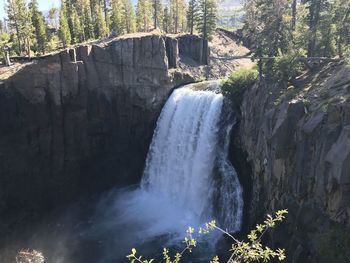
x,y
81,121
299,150
195,48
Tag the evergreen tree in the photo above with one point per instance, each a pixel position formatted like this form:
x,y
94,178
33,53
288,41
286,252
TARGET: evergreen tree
x,y
269,25
64,32
20,21
128,16
191,15
143,15
207,16
39,26
342,22
69,7
79,35
101,29
166,20
87,20
157,12
178,15
105,10
52,17
116,24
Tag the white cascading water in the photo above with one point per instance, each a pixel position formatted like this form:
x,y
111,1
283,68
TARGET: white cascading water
x,y
187,179
183,157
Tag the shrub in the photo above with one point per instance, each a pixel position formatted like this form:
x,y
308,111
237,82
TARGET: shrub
x,y
248,251
235,86
285,68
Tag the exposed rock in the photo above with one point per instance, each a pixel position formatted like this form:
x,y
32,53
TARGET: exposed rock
x,y
194,47
81,121
299,149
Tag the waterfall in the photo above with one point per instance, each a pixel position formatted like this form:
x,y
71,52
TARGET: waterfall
x,y
187,164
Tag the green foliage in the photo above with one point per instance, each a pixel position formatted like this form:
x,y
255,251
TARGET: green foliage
x,y
128,16
39,27
101,29
235,86
19,21
207,16
178,15
144,15
78,28
157,12
192,15
248,251
166,20
116,24
321,28
4,39
64,32
285,68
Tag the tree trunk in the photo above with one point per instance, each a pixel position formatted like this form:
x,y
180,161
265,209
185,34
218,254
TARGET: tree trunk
x,y
105,11
314,18
176,16
205,20
294,14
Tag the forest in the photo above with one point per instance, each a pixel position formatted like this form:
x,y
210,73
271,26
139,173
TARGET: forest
x,y
312,28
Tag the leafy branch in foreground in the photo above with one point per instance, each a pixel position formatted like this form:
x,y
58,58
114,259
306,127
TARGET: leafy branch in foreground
x,y
250,251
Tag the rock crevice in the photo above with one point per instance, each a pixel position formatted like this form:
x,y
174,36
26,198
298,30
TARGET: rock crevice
x,y
299,149
80,121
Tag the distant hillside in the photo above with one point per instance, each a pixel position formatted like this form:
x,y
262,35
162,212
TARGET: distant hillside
x,y
230,3
231,14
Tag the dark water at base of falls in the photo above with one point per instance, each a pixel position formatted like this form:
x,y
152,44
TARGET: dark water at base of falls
x,y
187,181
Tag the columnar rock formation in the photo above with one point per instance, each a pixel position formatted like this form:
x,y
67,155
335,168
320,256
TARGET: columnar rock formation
x,y
81,121
298,143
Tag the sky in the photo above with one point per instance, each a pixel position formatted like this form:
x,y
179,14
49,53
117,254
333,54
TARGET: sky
x,y
44,5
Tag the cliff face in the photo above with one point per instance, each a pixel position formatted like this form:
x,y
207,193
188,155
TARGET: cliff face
x,y
298,144
81,121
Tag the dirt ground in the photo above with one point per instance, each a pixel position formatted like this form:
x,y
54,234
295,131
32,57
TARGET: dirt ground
x,y
6,72
222,49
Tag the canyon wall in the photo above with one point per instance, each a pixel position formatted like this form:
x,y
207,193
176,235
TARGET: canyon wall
x,y
298,145
81,121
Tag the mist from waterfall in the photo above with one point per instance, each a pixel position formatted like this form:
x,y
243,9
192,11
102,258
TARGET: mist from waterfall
x,y
187,179
182,157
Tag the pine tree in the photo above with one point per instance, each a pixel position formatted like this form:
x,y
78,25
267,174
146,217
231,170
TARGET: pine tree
x,y
69,6
52,17
166,20
64,32
157,11
128,16
191,15
207,16
116,24
105,11
87,20
20,21
39,26
79,35
143,15
101,29
178,15
342,22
